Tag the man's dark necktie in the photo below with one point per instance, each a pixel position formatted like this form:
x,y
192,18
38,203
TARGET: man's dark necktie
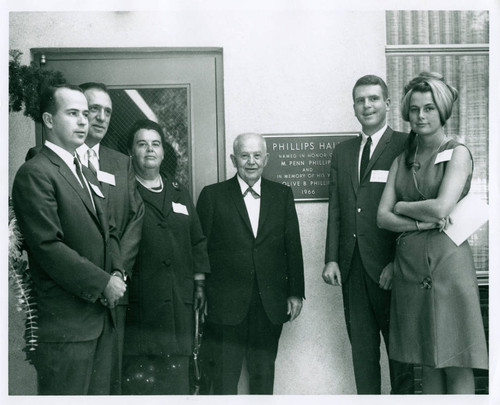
x,y
365,157
82,180
251,191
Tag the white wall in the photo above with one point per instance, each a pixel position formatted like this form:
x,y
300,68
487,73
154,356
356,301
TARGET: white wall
x,y
284,72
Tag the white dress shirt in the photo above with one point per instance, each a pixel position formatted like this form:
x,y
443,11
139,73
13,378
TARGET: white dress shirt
x,y
68,158
252,203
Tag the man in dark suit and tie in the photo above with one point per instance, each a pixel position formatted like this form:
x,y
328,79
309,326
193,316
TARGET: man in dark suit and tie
x,y
123,202
257,276
359,255
60,211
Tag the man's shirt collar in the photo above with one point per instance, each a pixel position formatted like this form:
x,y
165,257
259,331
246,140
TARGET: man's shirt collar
x,y
82,151
375,137
62,153
244,186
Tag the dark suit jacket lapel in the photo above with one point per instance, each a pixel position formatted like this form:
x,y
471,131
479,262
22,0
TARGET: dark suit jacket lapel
x,y
353,163
237,197
99,201
381,146
106,164
68,175
265,203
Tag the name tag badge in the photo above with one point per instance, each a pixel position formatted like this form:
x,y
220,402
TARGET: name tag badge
x,y
379,176
444,156
106,177
179,208
96,190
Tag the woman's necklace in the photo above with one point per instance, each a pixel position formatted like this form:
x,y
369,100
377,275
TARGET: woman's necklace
x,y
155,185
416,165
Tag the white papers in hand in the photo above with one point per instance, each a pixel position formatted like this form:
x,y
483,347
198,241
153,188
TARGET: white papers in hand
x,y
469,214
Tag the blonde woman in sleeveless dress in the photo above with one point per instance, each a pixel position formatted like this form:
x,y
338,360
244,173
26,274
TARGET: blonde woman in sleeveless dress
x,y
435,312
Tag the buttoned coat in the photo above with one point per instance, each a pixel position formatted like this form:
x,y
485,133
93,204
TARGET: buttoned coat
x,y
273,258
173,248
353,205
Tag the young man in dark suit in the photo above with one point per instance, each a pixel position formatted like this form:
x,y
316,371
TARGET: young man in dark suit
x,y
61,214
257,277
359,255
123,202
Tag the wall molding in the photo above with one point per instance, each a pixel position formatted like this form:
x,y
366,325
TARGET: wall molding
x,y
434,50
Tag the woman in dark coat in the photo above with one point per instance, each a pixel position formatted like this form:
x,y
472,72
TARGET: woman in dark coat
x,y
168,277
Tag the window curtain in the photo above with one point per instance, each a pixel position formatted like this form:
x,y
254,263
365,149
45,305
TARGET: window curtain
x,y
466,70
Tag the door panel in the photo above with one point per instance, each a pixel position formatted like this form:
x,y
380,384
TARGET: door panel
x,y
181,91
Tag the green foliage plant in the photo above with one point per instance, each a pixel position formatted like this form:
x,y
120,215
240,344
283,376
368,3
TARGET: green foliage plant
x,y
26,83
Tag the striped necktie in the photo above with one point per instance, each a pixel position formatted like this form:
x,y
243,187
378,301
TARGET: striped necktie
x,y
93,161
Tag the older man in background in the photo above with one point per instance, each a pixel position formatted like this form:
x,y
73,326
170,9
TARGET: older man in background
x,y
123,202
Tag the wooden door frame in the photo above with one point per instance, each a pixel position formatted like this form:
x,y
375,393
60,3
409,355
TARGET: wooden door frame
x,y
41,55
